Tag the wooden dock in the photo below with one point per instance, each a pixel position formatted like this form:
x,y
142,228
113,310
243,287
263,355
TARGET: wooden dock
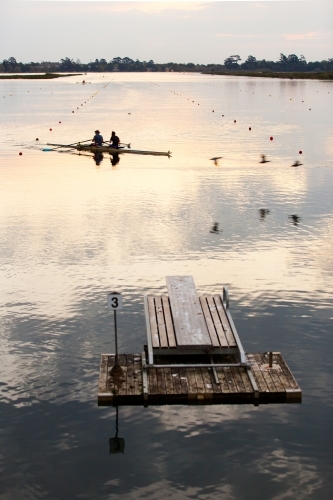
x,y
194,356
167,386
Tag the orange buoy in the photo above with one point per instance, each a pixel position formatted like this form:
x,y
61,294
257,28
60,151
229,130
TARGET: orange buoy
x,y
50,130
271,138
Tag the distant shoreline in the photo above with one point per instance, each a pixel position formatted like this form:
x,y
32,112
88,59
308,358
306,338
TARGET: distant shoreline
x,y
274,74
46,76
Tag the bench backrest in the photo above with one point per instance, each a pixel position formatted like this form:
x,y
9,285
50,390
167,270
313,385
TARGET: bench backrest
x,y
189,322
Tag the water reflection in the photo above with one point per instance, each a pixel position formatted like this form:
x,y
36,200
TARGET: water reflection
x,y
264,159
263,212
114,159
98,158
294,219
66,239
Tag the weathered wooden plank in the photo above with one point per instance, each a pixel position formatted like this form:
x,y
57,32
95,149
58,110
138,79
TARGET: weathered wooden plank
x,y
223,380
153,321
209,321
237,379
261,383
287,372
210,386
161,381
183,380
283,379
192,384
189,323
266,376
138,382
176,381
273,372
245,379
103,373
224,321
122,359
130,379
201,388
169,387
217,323
152,381
168,321
161,322
230,380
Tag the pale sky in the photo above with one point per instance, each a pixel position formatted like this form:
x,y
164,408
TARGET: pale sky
x,y
200,32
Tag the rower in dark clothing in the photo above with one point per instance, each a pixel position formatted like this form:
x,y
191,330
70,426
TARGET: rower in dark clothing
x,y
114,141
97,139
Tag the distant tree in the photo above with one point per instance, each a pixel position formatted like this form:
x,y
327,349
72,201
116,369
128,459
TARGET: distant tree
x,y
232,61
283,59
66,64
250,63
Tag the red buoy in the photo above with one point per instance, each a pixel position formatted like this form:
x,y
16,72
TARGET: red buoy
x,y
212,111
20,153
271,138
37,139
234,121
300,152
250,128
50,130
59,122
72,111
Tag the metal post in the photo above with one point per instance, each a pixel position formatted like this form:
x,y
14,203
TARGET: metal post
x,y
115,338
270,359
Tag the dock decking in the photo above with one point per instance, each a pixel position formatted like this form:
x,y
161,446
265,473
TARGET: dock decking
x,y
181,385
194,356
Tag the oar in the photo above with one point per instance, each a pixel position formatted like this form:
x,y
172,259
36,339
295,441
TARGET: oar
x,y
65,145
123,144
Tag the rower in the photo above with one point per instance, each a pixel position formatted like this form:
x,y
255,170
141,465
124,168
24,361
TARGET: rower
x,y
114,140
97,139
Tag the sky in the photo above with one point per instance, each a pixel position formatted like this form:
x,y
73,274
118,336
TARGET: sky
x,y
165,31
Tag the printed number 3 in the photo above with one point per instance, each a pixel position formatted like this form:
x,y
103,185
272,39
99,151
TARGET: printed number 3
x,y
114,302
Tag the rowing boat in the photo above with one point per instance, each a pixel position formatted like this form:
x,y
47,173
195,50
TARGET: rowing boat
x,y
107,149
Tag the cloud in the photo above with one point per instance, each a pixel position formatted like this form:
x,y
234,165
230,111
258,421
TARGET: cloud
x,y
233,35
153,6
304,36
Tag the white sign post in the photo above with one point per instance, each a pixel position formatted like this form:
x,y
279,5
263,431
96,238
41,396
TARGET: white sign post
x,y
115,303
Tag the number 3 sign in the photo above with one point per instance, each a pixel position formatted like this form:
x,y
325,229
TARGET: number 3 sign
x,y
115,301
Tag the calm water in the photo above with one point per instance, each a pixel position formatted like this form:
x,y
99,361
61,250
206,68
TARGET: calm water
x,y
71,230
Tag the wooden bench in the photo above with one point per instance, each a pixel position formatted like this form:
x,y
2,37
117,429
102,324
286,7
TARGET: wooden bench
x,y
184,323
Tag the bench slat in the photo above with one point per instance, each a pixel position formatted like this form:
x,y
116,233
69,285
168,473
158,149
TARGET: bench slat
x,y
168,321
217,322
153,322
209,322
161,322
224,321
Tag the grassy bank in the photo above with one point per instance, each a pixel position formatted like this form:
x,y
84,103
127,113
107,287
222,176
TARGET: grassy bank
x,y
46,76
292,75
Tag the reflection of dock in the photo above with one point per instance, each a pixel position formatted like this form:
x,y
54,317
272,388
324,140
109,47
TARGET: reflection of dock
x,y
194,356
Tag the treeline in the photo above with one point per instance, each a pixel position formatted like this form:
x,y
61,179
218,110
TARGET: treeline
x,y
231,63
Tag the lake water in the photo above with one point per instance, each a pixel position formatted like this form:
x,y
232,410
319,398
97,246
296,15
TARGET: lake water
x,y
72,230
